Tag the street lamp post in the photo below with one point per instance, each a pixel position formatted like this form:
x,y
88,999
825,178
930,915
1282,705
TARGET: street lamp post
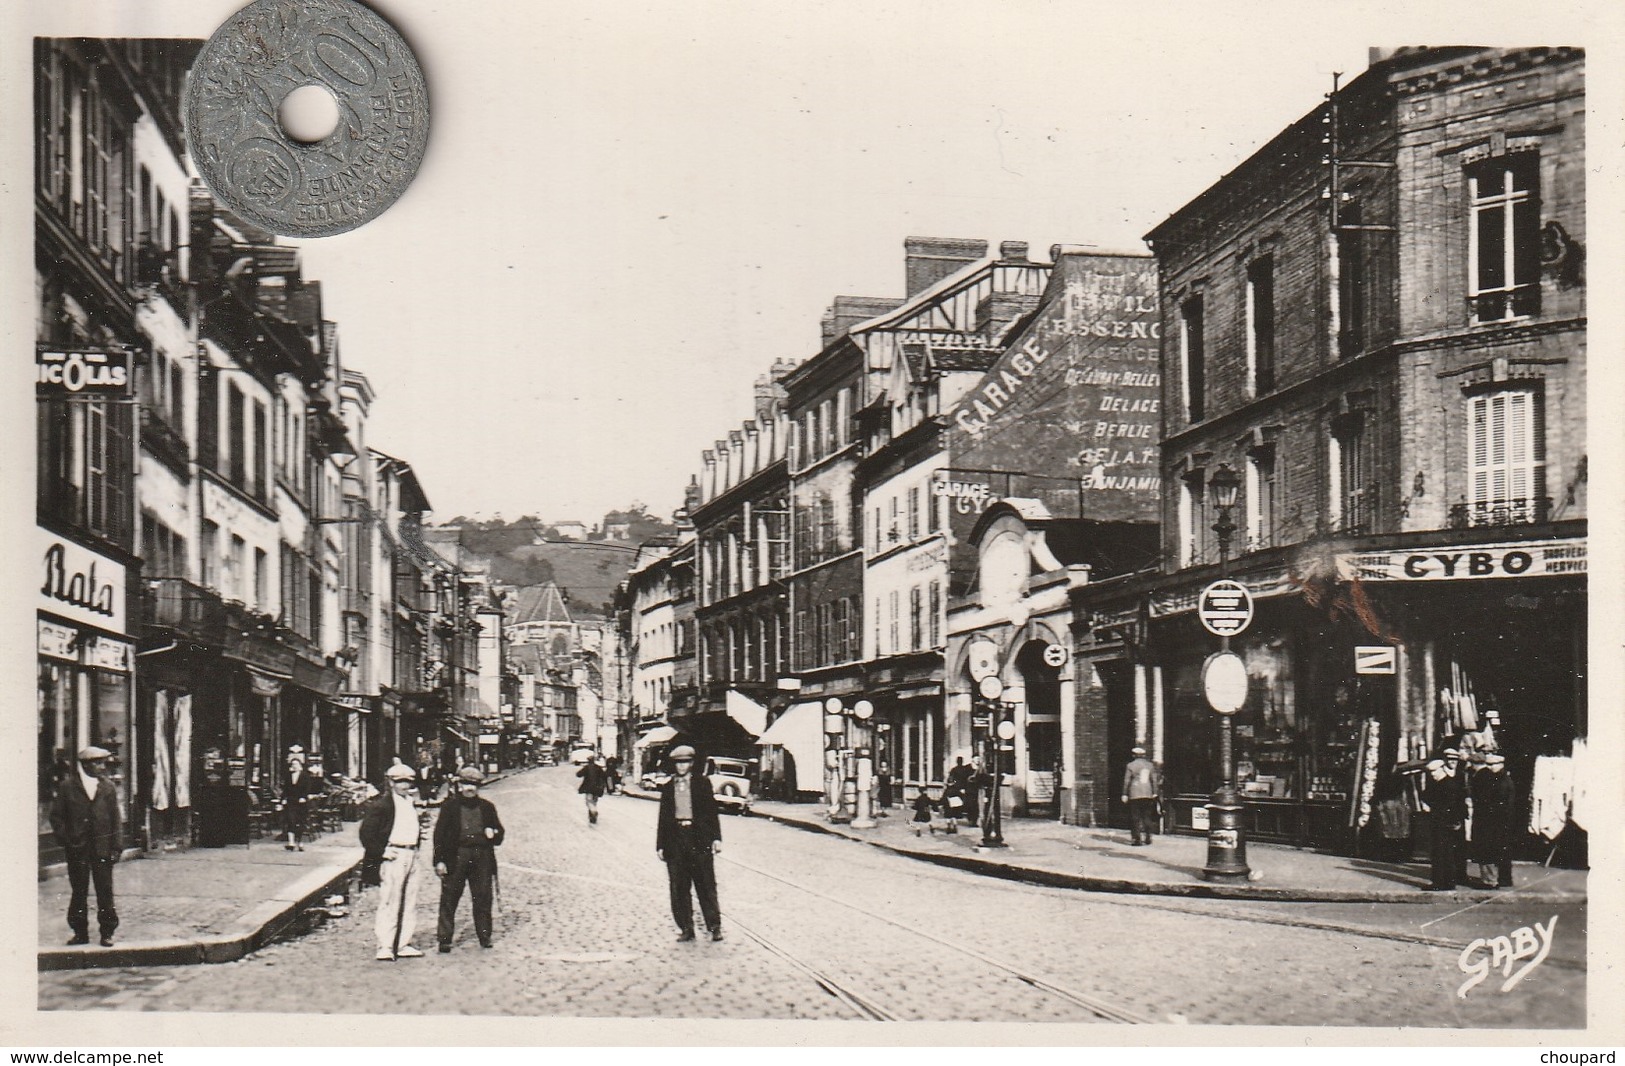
x,y
1004,730
1227,835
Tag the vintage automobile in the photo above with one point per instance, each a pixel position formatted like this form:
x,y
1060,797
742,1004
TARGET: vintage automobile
x,y
731,782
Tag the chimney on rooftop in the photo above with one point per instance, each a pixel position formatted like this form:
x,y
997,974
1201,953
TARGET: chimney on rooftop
x,y
1013,250
927,260
769,394
848,311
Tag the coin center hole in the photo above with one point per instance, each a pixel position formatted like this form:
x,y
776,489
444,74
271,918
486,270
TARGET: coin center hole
x,y
309,114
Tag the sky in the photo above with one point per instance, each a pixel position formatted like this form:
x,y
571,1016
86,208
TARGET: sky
x,y
633,211
629,211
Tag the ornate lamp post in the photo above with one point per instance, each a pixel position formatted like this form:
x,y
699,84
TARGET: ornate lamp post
x,y
1221,678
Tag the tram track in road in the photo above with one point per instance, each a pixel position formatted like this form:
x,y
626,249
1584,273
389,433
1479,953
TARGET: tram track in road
x,y
1094,1004
863,1003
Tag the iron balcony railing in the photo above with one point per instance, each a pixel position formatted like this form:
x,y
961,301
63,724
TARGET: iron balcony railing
x,y
191,610
1520,511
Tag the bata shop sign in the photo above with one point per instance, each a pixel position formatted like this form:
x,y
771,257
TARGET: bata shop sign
x,y
79,585
1553,558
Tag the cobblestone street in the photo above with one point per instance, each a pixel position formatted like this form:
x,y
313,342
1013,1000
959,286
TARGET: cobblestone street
x,y
821,928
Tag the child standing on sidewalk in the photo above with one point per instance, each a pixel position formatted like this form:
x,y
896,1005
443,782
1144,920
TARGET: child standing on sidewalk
x,y
922,812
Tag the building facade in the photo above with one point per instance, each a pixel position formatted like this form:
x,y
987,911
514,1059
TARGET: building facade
x,y
1387,349
207,512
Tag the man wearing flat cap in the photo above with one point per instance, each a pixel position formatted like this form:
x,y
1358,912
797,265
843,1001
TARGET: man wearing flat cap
x,y
465,842
687,838
1141,793
85,819
390,834
1446,796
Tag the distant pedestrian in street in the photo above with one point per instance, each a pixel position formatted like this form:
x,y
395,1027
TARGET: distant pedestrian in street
x,y
85,820
592,786
299,789
465,841
390,834
957,794
688,836
922,813
612,772
1493,796
1141,791
1446,798
978,783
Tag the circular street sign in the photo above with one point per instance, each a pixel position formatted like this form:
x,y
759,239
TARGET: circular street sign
x,y
1225,608
1224,682
1007,730
863,709
1054,655
991,687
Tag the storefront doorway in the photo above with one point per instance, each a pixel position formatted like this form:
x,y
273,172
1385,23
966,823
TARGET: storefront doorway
x,y
1042,681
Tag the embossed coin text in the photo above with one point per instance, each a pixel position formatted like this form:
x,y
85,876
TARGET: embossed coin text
x,y
251,65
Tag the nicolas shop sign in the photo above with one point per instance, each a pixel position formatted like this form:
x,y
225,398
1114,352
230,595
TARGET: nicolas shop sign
x,y
80,585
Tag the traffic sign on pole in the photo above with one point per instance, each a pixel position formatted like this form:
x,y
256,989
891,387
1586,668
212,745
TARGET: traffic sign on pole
x,y
1225,608
1224,682
1375,659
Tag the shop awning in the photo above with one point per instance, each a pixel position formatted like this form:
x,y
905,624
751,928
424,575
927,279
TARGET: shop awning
x,y
747,712
459,735
800,731
715,733
660,734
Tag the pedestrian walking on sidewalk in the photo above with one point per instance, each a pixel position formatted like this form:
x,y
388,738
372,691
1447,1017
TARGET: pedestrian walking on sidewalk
x,y
1142,792
85,820
1493,796
922,812
593,780
612,773
688,837
298,790
1447,806
391,832
465,841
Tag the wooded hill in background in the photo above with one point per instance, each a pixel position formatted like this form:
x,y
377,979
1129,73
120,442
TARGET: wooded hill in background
x,y
528,551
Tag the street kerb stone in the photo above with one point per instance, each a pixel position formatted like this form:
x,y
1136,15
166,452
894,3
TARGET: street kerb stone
x,y
1011,870
253,928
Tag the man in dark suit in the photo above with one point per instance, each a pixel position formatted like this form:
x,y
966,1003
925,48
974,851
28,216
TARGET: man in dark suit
x,y
688,836
465,842
1446,796
85,819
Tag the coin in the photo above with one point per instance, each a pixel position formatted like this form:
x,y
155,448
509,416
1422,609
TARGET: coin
x,y
249,67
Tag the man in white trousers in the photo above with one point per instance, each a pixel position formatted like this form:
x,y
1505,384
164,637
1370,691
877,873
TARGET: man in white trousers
x,y
391,833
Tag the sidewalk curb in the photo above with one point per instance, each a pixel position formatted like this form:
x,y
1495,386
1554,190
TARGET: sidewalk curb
x,y
249,933
1194,889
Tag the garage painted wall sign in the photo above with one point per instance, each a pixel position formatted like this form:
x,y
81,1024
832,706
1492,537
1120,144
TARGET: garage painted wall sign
x,y
1077,393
